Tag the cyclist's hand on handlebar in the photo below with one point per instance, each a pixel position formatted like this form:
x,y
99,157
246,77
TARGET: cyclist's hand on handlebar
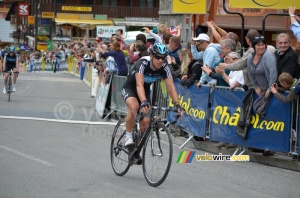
x,y
180,110
145,106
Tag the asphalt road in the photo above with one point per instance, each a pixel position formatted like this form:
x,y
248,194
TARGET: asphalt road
x,y
46,152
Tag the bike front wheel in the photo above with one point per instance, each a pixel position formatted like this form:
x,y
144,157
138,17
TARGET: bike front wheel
x,y
118,152
9,88
157,155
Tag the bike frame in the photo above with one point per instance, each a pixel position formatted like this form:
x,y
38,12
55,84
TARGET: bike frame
x,y
139,146
9,84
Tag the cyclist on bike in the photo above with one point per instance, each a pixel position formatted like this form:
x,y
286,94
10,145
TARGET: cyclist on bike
x,y
10,61
136,89
4,51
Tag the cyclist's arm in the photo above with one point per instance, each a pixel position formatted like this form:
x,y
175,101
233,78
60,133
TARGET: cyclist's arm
x,y
4,63
171,89
17,63
140,86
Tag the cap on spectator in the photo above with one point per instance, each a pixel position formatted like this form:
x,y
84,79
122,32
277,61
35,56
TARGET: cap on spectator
x,y
203,37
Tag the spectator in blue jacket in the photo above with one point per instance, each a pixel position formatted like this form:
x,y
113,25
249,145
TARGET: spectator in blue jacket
x,y
295,26
209,53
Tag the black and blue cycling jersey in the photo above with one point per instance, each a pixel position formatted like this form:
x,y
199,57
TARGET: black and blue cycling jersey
x,y
142,66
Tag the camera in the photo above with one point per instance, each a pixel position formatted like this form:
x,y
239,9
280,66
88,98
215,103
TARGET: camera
x,y
143,29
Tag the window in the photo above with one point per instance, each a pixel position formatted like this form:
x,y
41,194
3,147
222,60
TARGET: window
x,y
142,3
150,3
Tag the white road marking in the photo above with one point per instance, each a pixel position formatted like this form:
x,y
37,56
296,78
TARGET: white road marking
x,y
26,88
37,78
27,156
60,121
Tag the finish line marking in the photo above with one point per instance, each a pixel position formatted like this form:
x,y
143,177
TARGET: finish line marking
x,y
60,121
27,156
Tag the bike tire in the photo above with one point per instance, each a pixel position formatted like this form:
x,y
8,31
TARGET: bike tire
x,y
155,167
118,153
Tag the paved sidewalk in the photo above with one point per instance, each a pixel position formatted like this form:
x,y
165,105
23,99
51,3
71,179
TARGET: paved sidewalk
x,y
280,160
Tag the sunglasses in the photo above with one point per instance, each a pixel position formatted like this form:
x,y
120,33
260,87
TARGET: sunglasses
x,y
199,42
259,37
160,57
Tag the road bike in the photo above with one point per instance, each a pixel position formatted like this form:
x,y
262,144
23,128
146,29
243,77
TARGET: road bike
x,y
9,84
156,143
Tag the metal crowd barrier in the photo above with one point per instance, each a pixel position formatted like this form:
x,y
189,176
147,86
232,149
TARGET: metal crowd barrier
x,y
160,97
278,128
40,65
117,104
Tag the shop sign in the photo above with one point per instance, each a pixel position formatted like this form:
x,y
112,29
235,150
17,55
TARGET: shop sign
x,y
30,20
107,31
76,8
61,38
48,15
23,9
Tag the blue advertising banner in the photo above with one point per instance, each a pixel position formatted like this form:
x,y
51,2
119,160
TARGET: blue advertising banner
x,y
195,103
298,138
270,132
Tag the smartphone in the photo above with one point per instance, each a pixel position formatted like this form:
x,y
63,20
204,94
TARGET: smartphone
x,y
142,30
275,85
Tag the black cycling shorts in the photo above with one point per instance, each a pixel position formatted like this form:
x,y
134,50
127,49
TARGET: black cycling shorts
x,y
129,92
8,68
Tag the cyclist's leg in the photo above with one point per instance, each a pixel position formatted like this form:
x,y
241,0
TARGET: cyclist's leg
x,y
132,103
5,73
146,120
133,106
16,72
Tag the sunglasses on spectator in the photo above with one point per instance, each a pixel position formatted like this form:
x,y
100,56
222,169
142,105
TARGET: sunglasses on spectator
x,y
199,42
259,37
160,57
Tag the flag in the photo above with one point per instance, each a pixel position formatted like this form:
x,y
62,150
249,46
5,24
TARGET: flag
x,y
172,30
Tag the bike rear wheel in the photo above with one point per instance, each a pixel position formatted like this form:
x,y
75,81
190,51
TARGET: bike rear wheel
x,y
157,156
118,152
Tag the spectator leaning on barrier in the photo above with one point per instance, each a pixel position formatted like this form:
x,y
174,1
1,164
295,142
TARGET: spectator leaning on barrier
x,y
209,53
178,70
227,46
235,78
287,59
295,26
242,63
262,73
293,86
119,57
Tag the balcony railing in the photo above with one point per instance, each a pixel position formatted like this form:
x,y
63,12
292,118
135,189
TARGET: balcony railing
x,y
110,11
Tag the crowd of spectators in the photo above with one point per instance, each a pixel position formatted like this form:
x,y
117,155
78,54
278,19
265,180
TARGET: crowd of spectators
x,y
269,70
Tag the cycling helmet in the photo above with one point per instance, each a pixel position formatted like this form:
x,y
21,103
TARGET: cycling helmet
x,y
6,48
159,48
12,49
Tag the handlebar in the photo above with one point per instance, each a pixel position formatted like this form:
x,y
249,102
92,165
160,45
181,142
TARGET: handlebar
x,y
174,109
